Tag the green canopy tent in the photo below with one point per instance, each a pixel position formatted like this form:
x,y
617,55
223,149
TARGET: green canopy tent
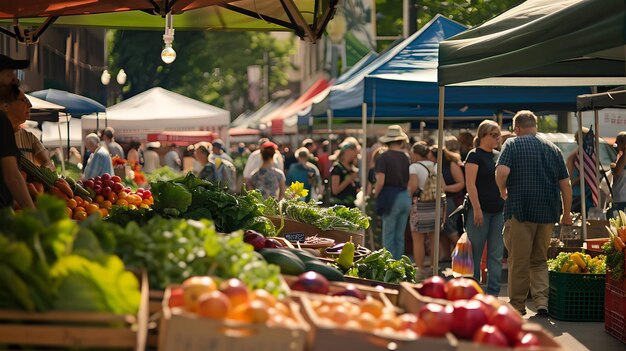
x,y
307,18
538,43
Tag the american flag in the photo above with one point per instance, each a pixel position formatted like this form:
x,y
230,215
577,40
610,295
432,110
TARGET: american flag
x,y
589,160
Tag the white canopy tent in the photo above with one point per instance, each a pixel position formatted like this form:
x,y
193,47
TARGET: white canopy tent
x,y
157,110
54,134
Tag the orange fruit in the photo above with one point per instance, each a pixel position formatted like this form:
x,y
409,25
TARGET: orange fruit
x,y
91,208
79,200
121,202
106,204
104,212
112,197
80,215
146,202
122,195
99,199
79,209
69,212
144,206
71,204
214,305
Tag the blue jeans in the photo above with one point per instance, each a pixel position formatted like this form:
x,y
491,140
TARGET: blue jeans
x,y
489,232
394,224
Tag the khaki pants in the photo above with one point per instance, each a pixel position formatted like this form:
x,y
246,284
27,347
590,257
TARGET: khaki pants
x,y
527,244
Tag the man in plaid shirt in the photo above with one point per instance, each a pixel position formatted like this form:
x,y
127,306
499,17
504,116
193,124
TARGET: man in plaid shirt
x,y
532,177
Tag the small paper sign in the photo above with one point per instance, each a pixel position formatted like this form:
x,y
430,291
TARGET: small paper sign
x,y
295,237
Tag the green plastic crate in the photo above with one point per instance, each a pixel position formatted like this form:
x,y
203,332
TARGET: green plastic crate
x,y
576,296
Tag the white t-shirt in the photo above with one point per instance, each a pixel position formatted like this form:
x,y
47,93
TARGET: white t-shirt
x,y
151,161
421,171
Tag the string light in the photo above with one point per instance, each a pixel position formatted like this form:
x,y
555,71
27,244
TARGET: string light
x,y
168,55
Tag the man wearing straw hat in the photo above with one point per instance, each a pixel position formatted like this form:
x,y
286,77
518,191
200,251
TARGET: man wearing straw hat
x,y
393,200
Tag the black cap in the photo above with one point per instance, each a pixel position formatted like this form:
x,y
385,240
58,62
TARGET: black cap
x,y
8,63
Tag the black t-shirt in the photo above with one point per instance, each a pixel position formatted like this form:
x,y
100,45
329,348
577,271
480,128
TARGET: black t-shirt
x,y
488,193
348,194
7,149
395,165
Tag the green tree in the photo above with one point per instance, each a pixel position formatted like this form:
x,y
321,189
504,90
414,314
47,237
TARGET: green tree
x,y
468,12
209,66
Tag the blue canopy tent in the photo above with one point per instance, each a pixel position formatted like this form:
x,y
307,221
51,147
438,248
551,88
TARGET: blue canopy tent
x,y
75,105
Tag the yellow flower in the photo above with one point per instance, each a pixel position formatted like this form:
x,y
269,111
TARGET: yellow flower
x,y
297,190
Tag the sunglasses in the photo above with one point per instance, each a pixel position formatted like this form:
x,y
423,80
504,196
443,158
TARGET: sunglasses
x,y
495,135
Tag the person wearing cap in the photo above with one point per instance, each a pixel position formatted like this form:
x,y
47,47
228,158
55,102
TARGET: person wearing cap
x,y
28,144
392,179
255,160
310,145
268,179
108,136
151,158
344,175
306,173
12,185
219,151
172,159
619,175
99,161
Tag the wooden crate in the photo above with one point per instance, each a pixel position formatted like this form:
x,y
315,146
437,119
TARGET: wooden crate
x,y
64,329
339,236
180,330
325,336
390,294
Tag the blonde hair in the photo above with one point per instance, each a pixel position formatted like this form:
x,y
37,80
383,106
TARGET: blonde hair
x,y
484,128
524,119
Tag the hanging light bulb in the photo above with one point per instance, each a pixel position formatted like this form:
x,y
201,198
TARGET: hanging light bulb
x,y
105,78
168,55
121,77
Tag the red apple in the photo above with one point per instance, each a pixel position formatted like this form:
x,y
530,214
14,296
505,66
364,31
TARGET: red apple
x,y
468,316
176,298
489,334
236,291
528,340
434,287
462,289
490,302
255,239
105,176
434,320
508,321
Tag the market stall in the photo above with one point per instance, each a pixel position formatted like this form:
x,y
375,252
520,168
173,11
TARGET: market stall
x,y
158,110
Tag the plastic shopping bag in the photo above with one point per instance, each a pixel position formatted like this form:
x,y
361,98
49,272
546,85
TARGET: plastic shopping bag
x,y
462,260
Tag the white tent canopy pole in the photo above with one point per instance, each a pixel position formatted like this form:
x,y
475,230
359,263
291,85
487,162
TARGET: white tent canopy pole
x,y
435,250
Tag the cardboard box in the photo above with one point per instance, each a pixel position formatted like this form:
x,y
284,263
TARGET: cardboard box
x,y
325,336
69,330
597,229
547,342
180,330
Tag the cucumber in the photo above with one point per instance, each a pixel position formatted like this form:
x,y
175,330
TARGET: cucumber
x,y
288,262
305,256
330,273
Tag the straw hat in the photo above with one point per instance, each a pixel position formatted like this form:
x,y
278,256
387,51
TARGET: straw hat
x,y
394,133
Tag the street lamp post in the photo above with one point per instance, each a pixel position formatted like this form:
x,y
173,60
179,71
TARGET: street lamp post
x,y
105,79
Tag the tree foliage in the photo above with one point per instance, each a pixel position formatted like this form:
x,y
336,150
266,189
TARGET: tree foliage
x,y
209,66
468,12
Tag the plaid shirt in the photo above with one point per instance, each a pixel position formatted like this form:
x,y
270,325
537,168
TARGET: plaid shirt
x,y
536,166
